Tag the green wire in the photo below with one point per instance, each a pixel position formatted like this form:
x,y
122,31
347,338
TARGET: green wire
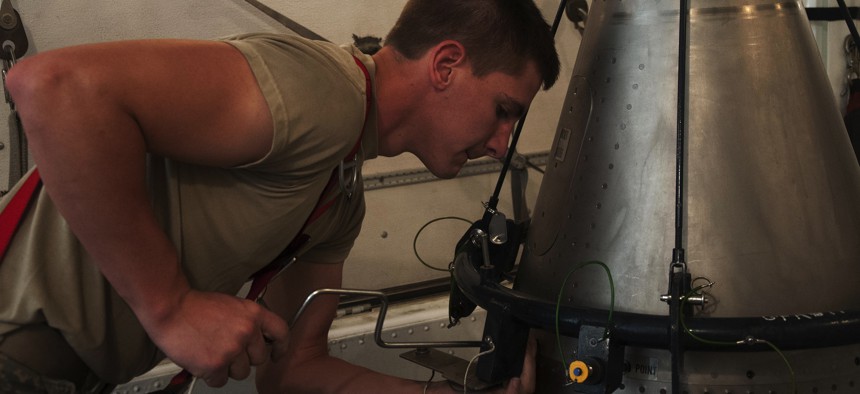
x,y
736,343
787,363
687,329
558,305
415,240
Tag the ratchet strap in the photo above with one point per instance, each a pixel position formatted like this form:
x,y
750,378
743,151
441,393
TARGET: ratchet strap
x,y
262,278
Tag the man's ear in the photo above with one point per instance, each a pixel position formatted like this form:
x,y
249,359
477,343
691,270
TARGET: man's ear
x,y
446,58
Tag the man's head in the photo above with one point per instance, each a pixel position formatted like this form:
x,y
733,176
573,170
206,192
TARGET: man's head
x,y
498,35
455,76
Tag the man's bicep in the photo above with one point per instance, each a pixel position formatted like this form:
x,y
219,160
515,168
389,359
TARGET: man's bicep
x,y
200,102
192,100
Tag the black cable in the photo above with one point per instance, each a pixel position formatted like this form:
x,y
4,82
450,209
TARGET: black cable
x,y
417,234
678,254
494,199
850,22
678,268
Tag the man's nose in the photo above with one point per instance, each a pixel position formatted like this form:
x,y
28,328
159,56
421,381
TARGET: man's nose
x,y
497,146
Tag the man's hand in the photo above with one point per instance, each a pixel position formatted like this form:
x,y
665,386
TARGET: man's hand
x,y
216,336
525,383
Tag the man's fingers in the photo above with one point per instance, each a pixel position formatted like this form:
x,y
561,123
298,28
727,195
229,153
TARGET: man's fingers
x,y
273,327
279,349
527,377
240,368
514,386
530,358
258,351
525,383
216,379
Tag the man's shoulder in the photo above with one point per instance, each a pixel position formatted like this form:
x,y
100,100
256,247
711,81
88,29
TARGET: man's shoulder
x,y
303,51
300,65
315,93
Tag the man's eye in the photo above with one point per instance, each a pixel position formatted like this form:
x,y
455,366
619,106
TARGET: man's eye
x,y
501,112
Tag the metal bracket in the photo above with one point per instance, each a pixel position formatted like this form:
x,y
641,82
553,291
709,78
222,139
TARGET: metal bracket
x,y
599,363
577,12
383,309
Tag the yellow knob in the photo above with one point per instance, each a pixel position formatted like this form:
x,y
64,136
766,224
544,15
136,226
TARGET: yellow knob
x,y
578,371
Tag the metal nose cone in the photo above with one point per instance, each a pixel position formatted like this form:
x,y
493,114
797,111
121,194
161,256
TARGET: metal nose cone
x,y
771,185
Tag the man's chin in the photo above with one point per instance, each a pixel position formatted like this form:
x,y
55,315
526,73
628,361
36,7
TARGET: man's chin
x,y
443,170
445,173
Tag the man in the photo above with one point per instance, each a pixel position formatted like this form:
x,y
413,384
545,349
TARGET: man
x,y
175,170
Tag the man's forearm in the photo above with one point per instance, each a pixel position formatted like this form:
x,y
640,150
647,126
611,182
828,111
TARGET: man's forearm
x,y
328,374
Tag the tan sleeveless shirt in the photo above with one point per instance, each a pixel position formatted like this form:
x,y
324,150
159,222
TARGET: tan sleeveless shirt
x,y
226,223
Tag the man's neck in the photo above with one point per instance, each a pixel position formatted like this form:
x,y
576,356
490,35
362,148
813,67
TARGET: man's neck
x,y
399,93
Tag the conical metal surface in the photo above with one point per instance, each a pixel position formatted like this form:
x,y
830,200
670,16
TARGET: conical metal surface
x,y
771,190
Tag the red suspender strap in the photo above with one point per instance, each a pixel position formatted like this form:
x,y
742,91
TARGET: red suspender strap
x,y
322,207
262,277
14,212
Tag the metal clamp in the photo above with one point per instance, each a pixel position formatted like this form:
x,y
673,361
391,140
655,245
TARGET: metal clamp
x,y
348,182
13,37
479,239
697,299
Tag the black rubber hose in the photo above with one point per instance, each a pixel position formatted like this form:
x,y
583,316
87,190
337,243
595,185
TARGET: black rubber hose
x,y
649,331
